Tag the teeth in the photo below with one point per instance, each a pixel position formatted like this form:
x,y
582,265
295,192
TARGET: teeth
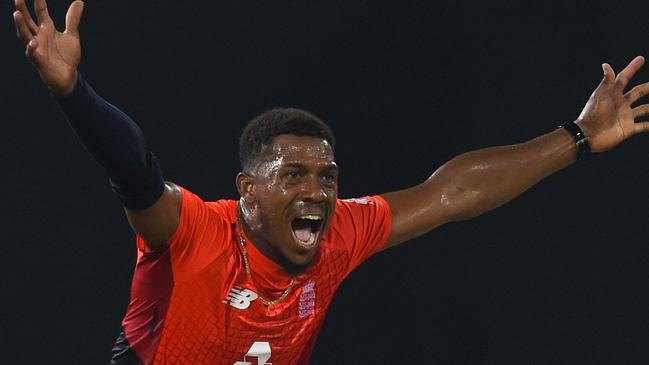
x,y
311,217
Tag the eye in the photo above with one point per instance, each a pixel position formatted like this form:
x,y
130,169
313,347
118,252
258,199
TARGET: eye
x,y
330,178
292,176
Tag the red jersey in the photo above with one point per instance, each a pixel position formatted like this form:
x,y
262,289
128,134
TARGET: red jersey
x,y
193,303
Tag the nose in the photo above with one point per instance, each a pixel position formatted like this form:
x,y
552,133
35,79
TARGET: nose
x,y
314,191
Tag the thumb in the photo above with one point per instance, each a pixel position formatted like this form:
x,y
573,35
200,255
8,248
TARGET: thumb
x,y
609,75
30,52
73,17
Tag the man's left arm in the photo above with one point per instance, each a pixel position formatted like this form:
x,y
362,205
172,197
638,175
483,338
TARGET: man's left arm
x,y
478,181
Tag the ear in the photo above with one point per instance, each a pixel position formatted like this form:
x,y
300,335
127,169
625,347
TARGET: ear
x,y
246,186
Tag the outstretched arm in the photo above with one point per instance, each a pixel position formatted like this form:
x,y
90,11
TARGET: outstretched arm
x,y
478,181
152,206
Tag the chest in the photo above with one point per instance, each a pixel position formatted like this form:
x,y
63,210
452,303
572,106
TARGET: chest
x,y
222,310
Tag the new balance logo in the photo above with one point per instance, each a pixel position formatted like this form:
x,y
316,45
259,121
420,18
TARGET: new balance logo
x,y
240,298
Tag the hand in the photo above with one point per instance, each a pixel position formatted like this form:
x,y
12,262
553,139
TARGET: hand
x,y
54,54
608,117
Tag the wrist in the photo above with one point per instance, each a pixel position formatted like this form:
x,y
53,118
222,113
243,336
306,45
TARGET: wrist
x,y
66,88
582,141
586,128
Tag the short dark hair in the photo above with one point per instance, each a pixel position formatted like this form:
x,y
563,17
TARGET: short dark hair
x,y
262,129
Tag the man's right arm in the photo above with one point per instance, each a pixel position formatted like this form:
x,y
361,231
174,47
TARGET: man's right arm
x,y
152,207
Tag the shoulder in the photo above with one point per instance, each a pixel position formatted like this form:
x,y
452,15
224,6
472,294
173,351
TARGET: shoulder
x,y
227,208
356,214
193,204
352,208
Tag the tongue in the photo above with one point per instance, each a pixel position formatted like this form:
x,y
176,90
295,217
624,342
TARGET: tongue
x,y
303,234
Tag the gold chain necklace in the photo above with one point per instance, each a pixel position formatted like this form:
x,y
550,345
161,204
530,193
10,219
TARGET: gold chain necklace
x,y
247,265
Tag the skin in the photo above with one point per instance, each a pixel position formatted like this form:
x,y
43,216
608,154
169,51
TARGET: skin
x,y
297,176
464,187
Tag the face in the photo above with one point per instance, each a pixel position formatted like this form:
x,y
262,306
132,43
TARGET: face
x,y
288,200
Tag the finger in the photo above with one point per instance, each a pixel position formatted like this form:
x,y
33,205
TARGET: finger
x,y
42,14
30,52
21,7
609,75
22,30
73,17
641,127
640,111
625,75
637,92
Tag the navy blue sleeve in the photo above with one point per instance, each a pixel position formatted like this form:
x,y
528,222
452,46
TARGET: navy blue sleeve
x,y
117,143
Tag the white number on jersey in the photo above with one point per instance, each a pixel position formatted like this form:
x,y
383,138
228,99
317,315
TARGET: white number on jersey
x,y
260,350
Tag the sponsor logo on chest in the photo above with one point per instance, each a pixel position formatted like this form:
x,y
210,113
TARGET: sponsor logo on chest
x,y
241,298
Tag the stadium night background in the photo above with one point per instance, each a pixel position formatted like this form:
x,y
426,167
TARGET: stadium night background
x,y
559,275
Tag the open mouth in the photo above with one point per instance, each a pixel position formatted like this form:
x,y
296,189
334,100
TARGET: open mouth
x,y
306,228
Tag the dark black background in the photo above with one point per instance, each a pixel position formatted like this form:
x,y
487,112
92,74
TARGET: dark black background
x,y
558,276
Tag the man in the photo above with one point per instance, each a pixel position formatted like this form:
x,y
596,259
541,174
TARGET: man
x,y
227,282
